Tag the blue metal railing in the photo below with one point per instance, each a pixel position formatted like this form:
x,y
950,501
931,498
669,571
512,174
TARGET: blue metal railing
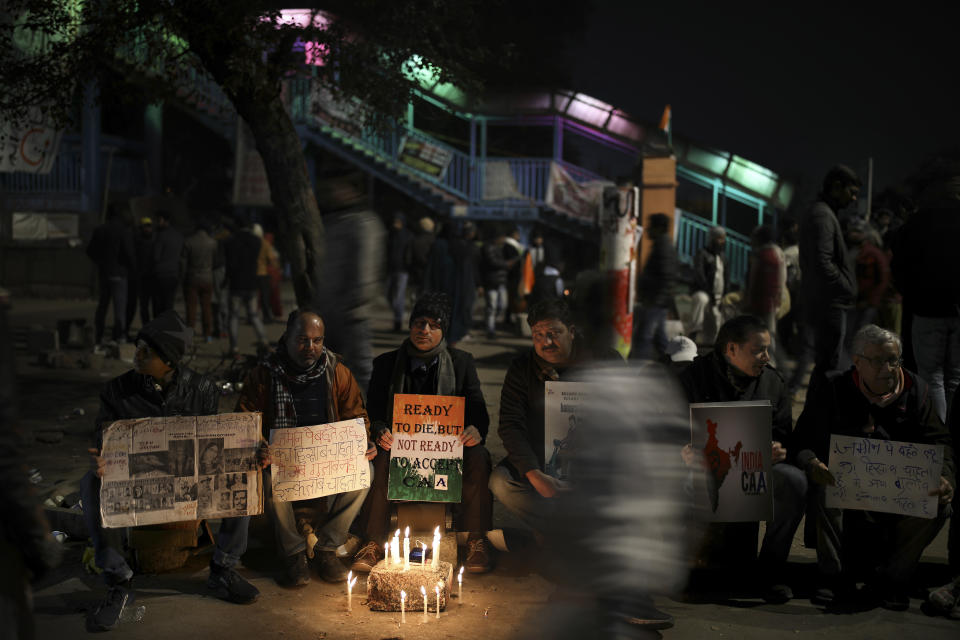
x,y
692,236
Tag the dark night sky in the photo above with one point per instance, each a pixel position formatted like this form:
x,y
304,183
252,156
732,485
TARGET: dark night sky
x,y
795,89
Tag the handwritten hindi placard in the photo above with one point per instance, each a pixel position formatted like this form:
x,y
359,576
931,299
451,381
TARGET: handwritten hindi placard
x,y
884,475
310,462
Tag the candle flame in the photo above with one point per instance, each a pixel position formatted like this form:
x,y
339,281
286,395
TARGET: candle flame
x,y
349,576
436,532
397,534
461,571
423,590
406,532
403,594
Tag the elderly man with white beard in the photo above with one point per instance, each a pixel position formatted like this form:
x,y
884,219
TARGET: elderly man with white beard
x,y
878,399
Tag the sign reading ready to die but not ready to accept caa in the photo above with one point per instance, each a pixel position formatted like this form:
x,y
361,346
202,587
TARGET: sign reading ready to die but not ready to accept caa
x,y
426,459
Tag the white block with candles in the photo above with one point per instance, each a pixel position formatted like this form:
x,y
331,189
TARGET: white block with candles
x,y
387,581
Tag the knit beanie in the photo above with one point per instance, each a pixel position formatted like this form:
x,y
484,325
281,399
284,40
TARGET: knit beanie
x,y
168,335
434,305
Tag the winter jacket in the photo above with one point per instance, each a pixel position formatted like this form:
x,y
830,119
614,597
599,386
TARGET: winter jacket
x,y
828,277
240,253
143,249
873,275
134,395
167,250
111,248
521,426
200,255
343,395
399,247
705,380
705,269
767,280
419,255
380,401
839,407
925,261
658,281
495,265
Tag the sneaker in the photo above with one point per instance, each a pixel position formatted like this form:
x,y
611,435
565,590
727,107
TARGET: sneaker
x,y
106,615
329,567
478,556
777,593
367,558
231,586
945,598
297,570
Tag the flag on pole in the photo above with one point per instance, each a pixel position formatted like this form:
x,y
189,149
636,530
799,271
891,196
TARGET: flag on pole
x,y
666,124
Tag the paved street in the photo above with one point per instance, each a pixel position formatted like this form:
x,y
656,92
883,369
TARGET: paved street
x,y
512,602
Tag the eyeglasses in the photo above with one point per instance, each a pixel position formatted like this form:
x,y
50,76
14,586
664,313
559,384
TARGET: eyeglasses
x,y
423,323
876,363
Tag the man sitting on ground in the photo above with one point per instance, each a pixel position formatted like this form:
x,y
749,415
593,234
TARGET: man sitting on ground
x,y
156,386
878,399
304,384
738,369
425,365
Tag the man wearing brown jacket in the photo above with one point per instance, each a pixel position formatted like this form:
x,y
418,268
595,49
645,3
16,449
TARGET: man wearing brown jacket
x,y
305,384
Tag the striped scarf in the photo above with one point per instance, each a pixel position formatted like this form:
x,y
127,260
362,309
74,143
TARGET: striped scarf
x,y
284,372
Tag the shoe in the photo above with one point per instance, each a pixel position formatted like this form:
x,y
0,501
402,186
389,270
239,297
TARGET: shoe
x,y
650,619
478,556
945,598
777,593
231,586
297,570
329,567
367,558
106,615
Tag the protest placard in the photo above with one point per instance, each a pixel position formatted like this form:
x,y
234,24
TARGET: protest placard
x,y
736,439
310,462
884,475
426,459
562,414
177,468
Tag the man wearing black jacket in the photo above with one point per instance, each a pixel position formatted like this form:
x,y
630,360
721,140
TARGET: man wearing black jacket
x,y
558,353
111,248
156,386
877,399
711,276
424,364
738,370
829,285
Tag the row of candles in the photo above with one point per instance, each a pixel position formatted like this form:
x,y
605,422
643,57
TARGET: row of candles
x,y
391,550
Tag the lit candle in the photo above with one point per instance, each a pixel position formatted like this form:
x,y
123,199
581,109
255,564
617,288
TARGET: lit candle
x,y
350,582
386,553
423,554
437,591
423,591
395,547
436,547
406,548
460,586
403,610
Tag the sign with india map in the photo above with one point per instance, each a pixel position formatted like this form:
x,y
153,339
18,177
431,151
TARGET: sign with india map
x,y
426,459
736,439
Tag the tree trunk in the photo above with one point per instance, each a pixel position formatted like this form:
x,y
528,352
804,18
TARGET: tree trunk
x,y
300,226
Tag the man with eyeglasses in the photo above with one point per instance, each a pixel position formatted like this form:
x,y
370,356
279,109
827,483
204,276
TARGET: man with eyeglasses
x,y
304,384
425,364
158,385
738,369
558,353
878,399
